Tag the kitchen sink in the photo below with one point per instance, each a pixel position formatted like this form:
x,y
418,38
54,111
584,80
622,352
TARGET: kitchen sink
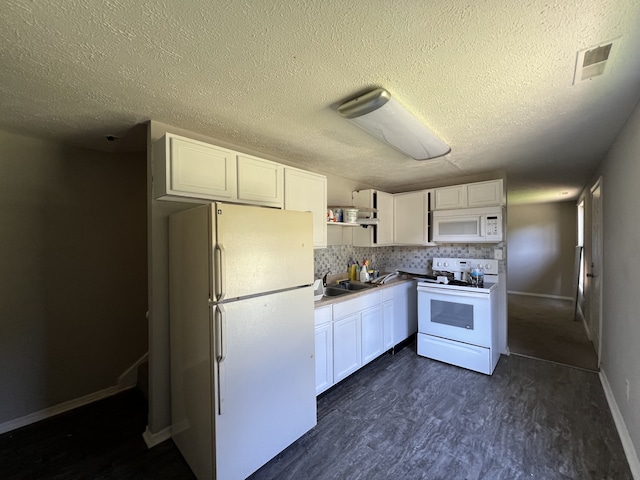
x,y
346,287
349,285
336,291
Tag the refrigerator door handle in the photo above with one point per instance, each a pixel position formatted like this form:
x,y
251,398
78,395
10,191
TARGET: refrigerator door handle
x,y
219,272
221,319
221,354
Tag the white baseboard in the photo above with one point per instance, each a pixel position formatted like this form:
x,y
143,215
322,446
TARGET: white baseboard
x,y
126,381
625,438
153,439
60,408
529,294
130,375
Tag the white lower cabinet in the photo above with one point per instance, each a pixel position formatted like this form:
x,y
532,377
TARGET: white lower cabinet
x,y
324,348
358,333
388,318
372,331
347,346
405,311
352,333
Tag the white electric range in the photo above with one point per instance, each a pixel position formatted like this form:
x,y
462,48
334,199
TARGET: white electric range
x,y
458,322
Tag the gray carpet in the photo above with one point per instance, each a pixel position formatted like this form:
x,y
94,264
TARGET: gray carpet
x,y
544,328
408,417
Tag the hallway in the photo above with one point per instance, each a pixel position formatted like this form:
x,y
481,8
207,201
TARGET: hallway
x,y
544,328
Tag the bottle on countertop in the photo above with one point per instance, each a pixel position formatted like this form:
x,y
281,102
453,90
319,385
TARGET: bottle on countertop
x,y
364,275
353,272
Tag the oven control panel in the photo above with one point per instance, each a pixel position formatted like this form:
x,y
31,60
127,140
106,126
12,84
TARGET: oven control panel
x,y
464,265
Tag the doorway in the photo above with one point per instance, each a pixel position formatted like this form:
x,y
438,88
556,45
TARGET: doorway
x,y
542,284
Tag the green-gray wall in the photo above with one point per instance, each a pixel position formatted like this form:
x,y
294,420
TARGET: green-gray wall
x,y
620,359
541,243
72,272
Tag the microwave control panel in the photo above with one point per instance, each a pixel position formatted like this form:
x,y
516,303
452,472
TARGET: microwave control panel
x,y
493,227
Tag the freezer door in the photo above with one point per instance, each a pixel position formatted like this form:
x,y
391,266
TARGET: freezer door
x,y
264,378
259,250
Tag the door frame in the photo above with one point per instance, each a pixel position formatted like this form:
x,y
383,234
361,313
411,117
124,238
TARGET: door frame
x,y
596,186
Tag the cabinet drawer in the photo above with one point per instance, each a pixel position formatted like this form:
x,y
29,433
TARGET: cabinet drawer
x,y
356,305
322,315
461,354
387,293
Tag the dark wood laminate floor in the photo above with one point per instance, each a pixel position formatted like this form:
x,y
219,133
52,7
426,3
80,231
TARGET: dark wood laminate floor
x,y
545,328
102,440
409,417
402,416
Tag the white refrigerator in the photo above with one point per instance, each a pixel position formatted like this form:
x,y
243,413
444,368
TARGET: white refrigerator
x,y
242,335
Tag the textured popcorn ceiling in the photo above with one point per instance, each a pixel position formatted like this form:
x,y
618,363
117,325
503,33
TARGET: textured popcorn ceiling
x,y
491,78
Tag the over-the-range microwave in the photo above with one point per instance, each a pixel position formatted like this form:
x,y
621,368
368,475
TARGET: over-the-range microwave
x,y
468,225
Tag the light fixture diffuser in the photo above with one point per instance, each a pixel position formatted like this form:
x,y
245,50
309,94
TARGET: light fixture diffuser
x,y
382,116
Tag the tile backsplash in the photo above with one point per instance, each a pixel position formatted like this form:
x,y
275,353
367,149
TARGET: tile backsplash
x,y
334,258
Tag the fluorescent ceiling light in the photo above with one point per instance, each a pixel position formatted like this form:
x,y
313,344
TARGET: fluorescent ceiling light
x,y
385,118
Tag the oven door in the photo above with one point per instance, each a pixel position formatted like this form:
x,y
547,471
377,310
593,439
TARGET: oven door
x,y
455,315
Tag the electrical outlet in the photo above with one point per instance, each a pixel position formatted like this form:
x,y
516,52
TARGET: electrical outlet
x,y
626,382
497,253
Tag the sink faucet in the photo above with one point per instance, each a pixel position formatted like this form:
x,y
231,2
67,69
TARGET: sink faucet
x,y
324,278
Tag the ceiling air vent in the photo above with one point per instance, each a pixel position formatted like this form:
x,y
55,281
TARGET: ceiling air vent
x,y
593,61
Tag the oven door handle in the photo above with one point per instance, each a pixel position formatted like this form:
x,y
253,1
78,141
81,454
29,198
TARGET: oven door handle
x,y
452,293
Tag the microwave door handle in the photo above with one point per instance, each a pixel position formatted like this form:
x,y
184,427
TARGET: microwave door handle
x,y
483,225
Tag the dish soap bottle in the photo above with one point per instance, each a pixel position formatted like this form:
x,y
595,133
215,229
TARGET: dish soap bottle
x,y
364,275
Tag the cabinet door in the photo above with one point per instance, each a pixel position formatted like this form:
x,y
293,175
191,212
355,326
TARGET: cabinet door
x,y
388,314
307,192
372,334
199,170
324,357
405,311
484,194
450,197
363,237
346,346
410,218
260,182
384,205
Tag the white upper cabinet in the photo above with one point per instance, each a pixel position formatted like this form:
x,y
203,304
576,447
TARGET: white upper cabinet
x,y
189,168
484,194
450,197
260,181
410,218
307,192
186,169
385,218
470,195
382,232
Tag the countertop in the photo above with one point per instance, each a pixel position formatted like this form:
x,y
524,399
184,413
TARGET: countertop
x,y
358,293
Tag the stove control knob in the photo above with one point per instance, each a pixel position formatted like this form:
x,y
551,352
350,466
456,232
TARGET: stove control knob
x,y
437,264
445,264
487,266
